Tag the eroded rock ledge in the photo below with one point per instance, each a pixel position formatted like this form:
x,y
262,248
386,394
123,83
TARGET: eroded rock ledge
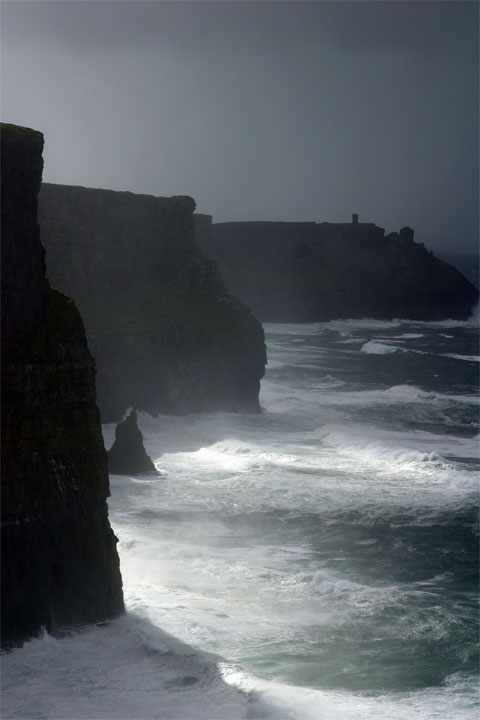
x,y
166,335
59,563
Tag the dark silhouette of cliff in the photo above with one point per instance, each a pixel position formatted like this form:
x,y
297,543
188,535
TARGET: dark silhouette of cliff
x,y
128,456
59,563
307,272
165,334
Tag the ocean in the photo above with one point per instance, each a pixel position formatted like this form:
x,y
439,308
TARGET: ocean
x,y
318,561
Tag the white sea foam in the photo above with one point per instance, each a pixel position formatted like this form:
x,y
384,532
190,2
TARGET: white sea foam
x,y
418,446
409,336
471,323
293,328
326,583
203,563
279,701
242,549
374,347
474,319
123,670
347,325
334,462
468,358
130,669
350,341
397,394
363,323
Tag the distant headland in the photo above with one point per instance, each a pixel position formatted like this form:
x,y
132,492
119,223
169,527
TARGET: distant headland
x,y
310,272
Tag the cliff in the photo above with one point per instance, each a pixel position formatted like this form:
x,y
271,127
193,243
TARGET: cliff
x,y
59,564
307,272
165,334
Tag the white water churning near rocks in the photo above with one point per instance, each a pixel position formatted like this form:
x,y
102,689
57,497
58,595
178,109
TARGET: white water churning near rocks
x,y
323,554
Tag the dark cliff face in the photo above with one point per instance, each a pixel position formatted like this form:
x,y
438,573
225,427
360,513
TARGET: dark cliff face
x,y
306,272
59,563
165,334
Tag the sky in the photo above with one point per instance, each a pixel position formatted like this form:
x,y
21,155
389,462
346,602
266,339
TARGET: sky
x,y
264,110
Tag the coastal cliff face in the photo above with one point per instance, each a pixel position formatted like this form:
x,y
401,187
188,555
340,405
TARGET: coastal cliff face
x,y
165,334
59,563
308,272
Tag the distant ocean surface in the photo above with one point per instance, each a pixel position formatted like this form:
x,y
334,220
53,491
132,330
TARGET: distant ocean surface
x,y
316,561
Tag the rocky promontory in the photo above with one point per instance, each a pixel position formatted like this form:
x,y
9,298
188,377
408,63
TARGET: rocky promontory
x,y
313,272
166,335
59,563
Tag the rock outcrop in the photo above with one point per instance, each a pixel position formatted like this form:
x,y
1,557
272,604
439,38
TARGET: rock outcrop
x,y
310,272
59,563
165,334
127,456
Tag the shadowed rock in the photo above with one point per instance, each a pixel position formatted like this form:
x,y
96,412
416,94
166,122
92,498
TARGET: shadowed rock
x,y
59,563
165,334
315,272
127,456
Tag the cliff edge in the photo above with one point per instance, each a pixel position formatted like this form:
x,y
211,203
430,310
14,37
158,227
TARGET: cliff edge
x,y
166,335
59,564
314,272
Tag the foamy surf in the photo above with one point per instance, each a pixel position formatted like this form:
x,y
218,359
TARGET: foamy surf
x,y
374,347
468,358
122,670
317,560
278,701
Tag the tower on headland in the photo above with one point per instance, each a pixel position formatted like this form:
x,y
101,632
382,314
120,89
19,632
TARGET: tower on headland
x,y
354,218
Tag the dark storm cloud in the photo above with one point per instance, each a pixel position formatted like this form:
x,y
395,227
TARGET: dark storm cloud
x,y
353,26
260,110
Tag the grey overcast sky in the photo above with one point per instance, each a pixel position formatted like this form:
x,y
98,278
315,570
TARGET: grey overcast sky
x,y
260,110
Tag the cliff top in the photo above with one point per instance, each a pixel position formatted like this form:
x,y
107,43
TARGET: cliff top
x,y
16,133
185,202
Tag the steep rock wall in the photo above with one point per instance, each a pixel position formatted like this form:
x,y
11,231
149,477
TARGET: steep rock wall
x,y
59,563
306,272
165,334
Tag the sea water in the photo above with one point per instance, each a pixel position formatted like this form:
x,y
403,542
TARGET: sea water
x,y
316,561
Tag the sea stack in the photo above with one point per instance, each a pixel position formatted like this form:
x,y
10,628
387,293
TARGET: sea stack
x,y
127,456
59,563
